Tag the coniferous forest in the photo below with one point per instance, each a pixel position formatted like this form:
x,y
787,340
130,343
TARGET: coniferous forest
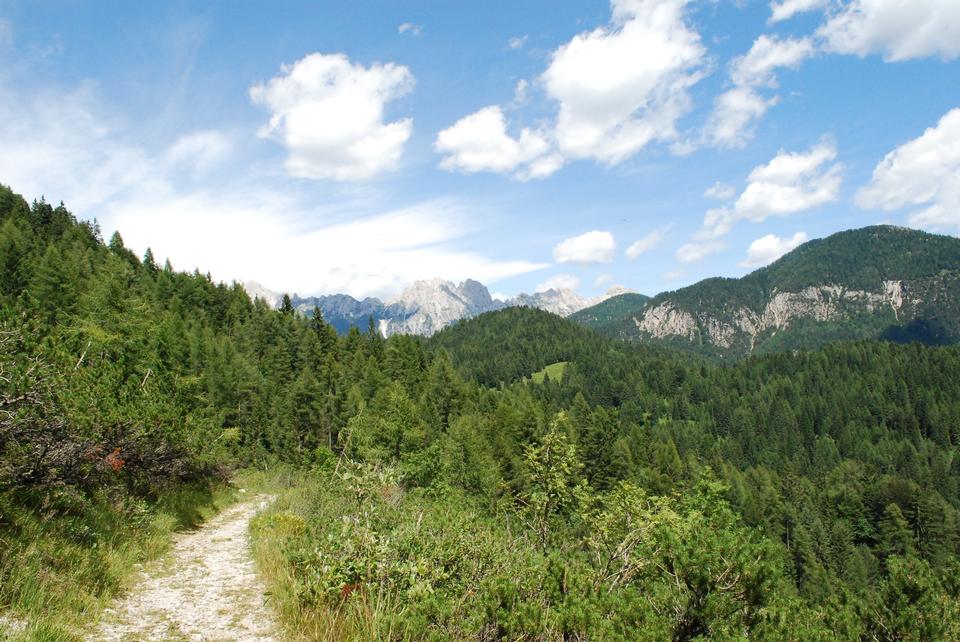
x,y
436,489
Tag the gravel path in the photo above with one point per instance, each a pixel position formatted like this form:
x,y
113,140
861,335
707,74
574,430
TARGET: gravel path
x,y
205,589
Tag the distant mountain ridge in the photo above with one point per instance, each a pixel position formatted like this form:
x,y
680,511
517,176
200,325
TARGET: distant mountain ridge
x,y
875,282
426,306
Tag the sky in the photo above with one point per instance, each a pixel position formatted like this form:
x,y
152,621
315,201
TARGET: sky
x,y
357,146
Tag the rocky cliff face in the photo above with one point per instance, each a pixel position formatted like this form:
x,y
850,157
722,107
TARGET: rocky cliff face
x,y
562,302
427,306
742,328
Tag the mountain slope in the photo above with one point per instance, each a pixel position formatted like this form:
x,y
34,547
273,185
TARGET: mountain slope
x,y
880,281
612,309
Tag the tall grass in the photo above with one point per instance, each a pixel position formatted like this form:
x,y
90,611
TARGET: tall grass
x,y
65,557
360,559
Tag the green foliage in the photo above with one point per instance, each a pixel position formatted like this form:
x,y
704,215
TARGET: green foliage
x,y
554,487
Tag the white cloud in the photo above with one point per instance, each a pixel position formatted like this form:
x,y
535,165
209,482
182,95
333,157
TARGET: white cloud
x,y
791,183
258,238
720,191
480,142
619,88
199,151
785,9
769,248
329,114
585,249
924,171
66,145
412,29
57,144
898,29
717,222
559,282
735,112
517,42
696,251
767,54
520,92
647,243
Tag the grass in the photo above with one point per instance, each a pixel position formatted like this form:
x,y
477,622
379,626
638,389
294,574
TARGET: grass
x,y
62,561
359,559
282,532
271,532
554,371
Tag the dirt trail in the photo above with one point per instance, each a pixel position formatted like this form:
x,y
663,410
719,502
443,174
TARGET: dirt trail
x,y
205,589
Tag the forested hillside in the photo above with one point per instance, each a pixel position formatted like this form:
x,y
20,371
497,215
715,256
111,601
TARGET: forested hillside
x,y
612,310
440,493
875,282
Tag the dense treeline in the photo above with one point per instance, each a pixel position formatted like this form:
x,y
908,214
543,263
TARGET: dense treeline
x,y
642,496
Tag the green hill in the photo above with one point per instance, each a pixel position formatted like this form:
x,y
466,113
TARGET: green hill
x,y
875,282
613,309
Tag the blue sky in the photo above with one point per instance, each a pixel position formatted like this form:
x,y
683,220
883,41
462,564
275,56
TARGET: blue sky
x,y
323,147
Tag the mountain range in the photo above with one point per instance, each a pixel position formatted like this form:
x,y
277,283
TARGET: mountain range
x,y
876,282
426,306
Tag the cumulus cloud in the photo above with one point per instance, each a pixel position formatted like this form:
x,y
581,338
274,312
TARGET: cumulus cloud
x,y
199,151
412,29
717,222
735,112
480,142
922,172
616,89
329,115
769,248
623,86
647,243
792,182
786,9
897,29
559,282
699,250
585,249
766,55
